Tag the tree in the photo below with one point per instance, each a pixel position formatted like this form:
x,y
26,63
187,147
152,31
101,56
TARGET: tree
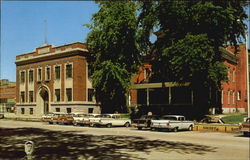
x,y
111,82
112,42
189,34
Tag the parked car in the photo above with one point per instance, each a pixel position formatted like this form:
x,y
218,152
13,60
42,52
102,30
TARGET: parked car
x,y
110,120
172,122
245,127
145,121
65,118
55,116
208,119
1,115
79,118
94,119
47,117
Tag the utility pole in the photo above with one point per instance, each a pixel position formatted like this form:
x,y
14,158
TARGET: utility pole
x,y
247,78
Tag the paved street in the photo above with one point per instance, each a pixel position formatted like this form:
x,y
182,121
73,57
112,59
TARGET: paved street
x,y
69,142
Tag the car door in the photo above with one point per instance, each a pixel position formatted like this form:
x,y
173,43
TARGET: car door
x,y
181,122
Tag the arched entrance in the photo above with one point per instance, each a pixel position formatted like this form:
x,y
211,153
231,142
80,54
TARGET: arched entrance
x,y
43,100
45,97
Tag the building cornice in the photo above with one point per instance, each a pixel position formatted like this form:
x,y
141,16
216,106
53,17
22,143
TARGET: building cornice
x,y
51,56
228,55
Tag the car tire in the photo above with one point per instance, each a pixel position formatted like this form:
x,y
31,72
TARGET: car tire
x,y
127,124
190,128
246,134
139,128
175,129
109,125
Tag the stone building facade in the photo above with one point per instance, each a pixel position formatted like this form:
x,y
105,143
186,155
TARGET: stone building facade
x,y
54,79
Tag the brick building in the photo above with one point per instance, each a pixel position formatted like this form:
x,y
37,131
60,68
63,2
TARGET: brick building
x,y
171,96
234,92
7,96
54,79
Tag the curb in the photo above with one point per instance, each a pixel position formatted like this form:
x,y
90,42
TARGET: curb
x,y
228,128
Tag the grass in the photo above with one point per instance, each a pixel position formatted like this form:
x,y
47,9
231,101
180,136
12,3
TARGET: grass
x,y
234,118
125,115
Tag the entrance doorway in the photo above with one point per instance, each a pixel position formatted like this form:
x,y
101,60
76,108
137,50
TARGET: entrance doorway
x,y
45,100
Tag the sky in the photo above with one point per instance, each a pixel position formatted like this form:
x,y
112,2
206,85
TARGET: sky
x,y
23,27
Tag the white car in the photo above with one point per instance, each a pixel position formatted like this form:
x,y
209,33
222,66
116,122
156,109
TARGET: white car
x,y
172,122
110,120
79,118
94,119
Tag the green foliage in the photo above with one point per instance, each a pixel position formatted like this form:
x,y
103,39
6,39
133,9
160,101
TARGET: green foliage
x,y
220,21
109,78
189,34
112,42
111,82
191,59
113,34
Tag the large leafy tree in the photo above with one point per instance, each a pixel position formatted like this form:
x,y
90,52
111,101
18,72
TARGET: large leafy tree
x,y
189,35
112,42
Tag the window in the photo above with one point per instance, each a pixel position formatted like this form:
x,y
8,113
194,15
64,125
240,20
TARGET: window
x,y
228,74
181,118
68,110
69,94
39,76
48,73
238,95
22,77
90,70
233,76
233,98
57,70
147,73
69,71
90,110
90,94
228,97
222,96
57,109
22,97
31,76
57,95
22,111
31,110
31,95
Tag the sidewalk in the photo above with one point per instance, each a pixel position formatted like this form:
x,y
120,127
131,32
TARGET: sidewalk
x,y
13,116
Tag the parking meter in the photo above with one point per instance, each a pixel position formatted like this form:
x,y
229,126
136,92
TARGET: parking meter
x,y
29,148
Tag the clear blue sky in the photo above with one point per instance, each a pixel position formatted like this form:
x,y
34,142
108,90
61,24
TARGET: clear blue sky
x,y
22,27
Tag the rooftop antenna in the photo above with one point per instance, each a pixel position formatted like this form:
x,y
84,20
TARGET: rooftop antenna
x,y
45,32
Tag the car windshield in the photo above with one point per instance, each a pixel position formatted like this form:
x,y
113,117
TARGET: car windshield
x,y
106,116
149,117
155,117
168,118
98,116
80,115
